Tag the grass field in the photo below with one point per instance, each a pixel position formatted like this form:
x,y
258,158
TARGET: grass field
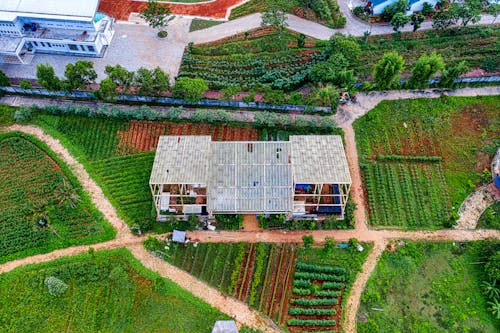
x,y
37,185
427,288
422,157
262,274
108,291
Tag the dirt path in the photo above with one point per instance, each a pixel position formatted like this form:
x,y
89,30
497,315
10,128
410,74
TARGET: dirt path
x,y
358,287
357,185
250,223
236,309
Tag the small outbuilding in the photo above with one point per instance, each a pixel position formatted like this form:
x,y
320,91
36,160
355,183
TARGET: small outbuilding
x,y
179,236
225,326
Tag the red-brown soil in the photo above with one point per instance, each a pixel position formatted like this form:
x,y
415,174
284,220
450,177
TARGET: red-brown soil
x,y
143,135
121,9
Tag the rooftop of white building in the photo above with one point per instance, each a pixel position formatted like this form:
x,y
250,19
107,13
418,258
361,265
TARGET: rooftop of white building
x,y
81,10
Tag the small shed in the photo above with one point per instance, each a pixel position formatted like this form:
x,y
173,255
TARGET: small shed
x,y
179,236
225,326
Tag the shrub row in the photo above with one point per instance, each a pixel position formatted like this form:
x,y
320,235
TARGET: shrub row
x,y
302,283
319,269
400,158
311,322
314,301
301,291
319,276
311,311
327,293
332,285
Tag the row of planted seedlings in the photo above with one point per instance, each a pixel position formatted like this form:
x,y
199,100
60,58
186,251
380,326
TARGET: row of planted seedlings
x,y
317,294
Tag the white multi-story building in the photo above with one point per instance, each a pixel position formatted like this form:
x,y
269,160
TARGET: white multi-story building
x,y
69,27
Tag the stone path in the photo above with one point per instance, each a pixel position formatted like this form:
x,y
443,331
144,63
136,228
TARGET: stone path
x,y
474,206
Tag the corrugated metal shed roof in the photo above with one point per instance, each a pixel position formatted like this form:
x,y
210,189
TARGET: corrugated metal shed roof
x,y
67,9
181,160
319,159
250,177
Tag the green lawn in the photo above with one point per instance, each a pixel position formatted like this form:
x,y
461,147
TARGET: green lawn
x,y
36,185
108,291
422,157
427,287
199,24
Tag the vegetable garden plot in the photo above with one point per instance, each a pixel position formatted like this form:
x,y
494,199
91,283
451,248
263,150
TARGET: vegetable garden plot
x,y
406,194
257,274
125,181
282,70
317,298
34,187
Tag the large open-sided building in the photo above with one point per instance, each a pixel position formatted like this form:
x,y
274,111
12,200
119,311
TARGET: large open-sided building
x,y
306,175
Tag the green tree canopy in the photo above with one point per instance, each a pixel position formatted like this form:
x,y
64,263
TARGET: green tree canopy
x,y
345,45
416,20
79,75
47,78
399,20
452,72
156,14
424,69
335,70
190,89
387,71
120,76
4,80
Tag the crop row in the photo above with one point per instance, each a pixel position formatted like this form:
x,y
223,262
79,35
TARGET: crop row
x,y
319,276
406,194
319,268
311,311
311,322
313,301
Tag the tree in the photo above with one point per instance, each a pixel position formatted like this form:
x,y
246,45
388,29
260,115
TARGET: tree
x,y
275,15
445,18
107,89
25,84
387,71
427,9
451,73
335,70
345,45
416,20
401,6
398,21
469,11
151,82
493,10
120,76
79,75
4,80
161,79
158,16
329,246
47,78
424,69
190,89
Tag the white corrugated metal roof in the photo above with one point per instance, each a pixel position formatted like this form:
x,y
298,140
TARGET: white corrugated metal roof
x,y
181,160
250,177
319,159
66,9
256,176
